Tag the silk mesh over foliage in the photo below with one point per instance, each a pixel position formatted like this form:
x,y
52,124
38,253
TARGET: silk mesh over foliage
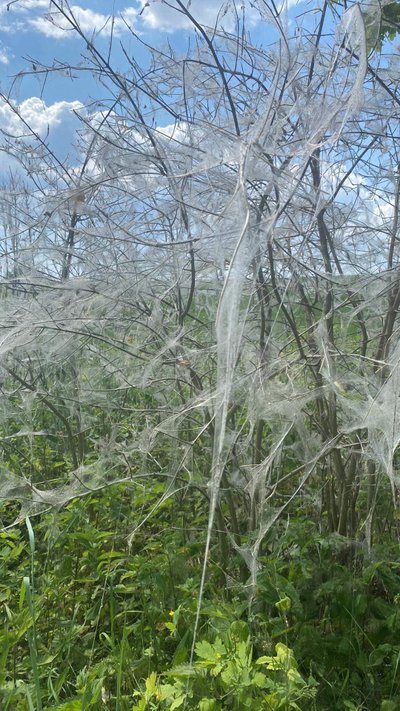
x,y
211,296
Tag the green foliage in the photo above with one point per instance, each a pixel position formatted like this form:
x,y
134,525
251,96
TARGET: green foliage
x,y
86,620
225,676
390,21
382,22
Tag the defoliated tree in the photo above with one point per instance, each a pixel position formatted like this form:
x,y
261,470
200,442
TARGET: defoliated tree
x,y
212,297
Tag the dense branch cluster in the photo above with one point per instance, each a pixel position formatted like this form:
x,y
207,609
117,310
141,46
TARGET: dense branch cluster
x,y
214,285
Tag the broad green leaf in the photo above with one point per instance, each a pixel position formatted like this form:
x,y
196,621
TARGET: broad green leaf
x,y
151,683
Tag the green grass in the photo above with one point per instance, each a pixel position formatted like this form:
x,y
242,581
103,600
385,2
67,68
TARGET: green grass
x,y
87,621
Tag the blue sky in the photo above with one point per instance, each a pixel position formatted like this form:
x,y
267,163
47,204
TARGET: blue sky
x,y
32,30
28,29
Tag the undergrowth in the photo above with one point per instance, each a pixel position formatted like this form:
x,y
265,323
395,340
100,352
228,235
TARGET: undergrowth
x,y
89,623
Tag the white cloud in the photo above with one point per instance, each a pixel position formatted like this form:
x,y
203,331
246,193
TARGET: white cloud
x,y
168,17
11,12
44,18
153,14
57,26
38,115
4,58
56,123
21,5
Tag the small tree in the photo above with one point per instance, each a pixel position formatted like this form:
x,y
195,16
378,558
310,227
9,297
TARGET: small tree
x,y
212,296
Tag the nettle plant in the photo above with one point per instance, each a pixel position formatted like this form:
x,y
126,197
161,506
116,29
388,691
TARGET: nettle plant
x,y
210,296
